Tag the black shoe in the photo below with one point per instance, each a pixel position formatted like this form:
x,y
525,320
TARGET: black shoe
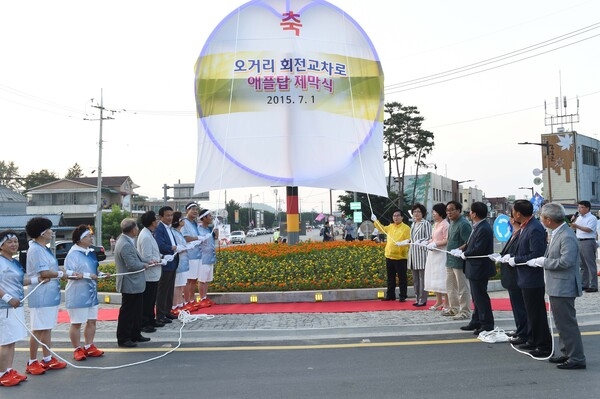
x,y
569,365
517,340
527,346
402,299
127,344
141,338
420,304
388,299
158,323
558,359
511,333
470,327
170,316
481,329
540,353
148,329
416,304
165,320
590,290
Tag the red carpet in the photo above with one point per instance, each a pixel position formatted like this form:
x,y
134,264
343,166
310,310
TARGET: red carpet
x,y
298,307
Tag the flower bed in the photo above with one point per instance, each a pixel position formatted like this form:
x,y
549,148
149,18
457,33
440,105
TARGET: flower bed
x,y
303,266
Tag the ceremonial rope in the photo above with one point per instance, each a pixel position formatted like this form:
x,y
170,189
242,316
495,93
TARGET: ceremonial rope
x,y
184,316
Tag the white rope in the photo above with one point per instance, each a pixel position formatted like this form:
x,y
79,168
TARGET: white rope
x,y
550,321
184,317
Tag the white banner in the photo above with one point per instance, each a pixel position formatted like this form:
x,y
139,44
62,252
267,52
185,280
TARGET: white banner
x,y
290,93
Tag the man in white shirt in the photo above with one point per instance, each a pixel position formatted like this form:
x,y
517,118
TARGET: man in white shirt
x,y
585,230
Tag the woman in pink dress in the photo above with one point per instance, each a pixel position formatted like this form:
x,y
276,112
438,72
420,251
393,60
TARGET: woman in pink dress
x,y
435,267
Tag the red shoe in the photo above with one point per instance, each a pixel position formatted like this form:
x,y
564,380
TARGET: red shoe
x,y
210,301
189,307
17,376
8,380
92,351
35,368
205,304
53,364
79,354
196,305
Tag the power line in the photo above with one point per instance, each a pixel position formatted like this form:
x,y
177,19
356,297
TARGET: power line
x,y
416,83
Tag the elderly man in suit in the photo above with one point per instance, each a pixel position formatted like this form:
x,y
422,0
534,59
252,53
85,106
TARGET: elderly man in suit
x,y
131,286
563,284
479,268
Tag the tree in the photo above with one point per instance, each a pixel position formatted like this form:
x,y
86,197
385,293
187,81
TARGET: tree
x,y
111,223
404,139
9,175
74,172
35,179
382,207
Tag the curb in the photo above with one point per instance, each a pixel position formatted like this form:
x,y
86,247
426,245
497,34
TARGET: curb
x,y
227,298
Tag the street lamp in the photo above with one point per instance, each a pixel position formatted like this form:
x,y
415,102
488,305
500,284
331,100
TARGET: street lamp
x,y
528,188
545,163
465,181
546,144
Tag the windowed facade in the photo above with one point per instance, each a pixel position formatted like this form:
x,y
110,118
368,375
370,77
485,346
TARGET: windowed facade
x,y
589,155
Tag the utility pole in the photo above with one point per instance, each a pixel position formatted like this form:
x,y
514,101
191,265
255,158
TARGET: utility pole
x,y
98,227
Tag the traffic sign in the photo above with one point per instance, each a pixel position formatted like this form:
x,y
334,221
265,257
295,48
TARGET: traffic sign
x,y
355,206
502,228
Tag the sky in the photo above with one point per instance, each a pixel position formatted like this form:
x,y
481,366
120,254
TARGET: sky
x,y
511,57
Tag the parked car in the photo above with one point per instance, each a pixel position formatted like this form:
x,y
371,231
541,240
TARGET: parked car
x,y
237,236
252,233
62,249
261,231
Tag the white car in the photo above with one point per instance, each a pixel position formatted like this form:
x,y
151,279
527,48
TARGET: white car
x,y
251,233
237,236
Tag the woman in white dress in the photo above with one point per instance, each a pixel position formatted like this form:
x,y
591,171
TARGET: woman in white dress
x,y
435,267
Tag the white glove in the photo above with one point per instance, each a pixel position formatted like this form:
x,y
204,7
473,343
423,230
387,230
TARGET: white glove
x,y
511,262
495,257
167,258
463,256
181,248
431,245
505,258
402,243
373,217
536,262
456,252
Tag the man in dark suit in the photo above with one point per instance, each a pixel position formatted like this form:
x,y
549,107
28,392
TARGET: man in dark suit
x,y
531,244
479,268
167,247
509,281
131,286
563,284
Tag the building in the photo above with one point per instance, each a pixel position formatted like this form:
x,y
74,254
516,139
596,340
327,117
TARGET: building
x,y
11,202
76,199
430,188
570,168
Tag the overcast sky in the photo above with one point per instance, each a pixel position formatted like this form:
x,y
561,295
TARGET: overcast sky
x,y
57,55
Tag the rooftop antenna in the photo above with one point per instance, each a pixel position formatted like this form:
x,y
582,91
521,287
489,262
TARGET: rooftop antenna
x,y
561,117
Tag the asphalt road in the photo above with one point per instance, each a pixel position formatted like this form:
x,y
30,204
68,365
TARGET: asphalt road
x,y
454,366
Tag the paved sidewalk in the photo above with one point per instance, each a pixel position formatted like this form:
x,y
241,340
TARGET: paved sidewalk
x,y
305,326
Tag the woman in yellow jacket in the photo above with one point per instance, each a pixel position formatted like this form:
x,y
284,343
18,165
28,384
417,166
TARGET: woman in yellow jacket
x,y
396,254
